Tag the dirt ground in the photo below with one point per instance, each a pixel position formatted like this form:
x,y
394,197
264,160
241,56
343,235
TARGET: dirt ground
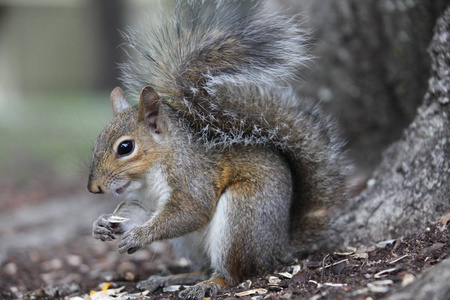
x,y
81,265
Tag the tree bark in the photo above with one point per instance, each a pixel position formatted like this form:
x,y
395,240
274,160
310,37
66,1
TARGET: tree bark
x,y
433,284
411,186
371,67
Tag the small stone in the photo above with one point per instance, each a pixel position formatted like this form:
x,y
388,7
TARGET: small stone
x,y
48,278
11,269
129,276
126,266
71,278
54,264
73,260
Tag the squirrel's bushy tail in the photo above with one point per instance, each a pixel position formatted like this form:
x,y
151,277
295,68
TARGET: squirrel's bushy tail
x,y
213,43
228,69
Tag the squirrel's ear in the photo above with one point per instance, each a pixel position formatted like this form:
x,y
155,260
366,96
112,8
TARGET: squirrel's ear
x,y
118,101
150,108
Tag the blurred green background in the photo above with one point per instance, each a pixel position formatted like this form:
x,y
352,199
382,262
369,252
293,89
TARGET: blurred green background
x,y
58,64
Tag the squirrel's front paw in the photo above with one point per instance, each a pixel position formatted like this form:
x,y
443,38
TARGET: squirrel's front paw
x,y
102,229
134,239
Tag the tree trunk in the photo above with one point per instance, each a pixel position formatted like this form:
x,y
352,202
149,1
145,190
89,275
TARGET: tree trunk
x,y
371,66
372,71
411,186
433,284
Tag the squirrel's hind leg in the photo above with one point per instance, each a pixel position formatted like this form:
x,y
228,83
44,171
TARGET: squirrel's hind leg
x,y
205,288
154,282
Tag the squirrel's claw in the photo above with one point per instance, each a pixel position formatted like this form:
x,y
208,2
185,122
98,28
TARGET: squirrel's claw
x,y
134,240
152,283
199,291
102,230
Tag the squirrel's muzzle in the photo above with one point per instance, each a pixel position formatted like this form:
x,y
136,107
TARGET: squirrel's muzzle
x,y
94,187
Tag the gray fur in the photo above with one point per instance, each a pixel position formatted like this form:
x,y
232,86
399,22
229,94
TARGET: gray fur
x,y
229,77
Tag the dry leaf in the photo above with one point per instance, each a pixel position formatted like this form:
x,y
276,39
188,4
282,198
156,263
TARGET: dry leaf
x,y
105,286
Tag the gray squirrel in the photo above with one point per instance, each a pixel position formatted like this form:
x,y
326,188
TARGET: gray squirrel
x,y
220,155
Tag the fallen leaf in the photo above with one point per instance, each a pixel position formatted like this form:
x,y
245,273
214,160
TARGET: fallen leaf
x,y
105,286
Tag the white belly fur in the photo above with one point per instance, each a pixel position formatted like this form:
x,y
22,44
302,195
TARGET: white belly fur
x,y
207,248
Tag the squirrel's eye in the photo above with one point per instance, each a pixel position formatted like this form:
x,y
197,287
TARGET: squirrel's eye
x,y
125,148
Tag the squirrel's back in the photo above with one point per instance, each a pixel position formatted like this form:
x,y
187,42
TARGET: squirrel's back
x,y
228,70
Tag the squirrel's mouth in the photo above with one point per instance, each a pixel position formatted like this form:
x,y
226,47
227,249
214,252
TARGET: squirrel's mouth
x,y
123,188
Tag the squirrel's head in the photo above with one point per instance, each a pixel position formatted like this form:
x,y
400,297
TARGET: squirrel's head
x,y
129,145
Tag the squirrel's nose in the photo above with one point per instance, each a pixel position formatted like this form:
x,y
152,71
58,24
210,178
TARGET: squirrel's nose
x,y
95,188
